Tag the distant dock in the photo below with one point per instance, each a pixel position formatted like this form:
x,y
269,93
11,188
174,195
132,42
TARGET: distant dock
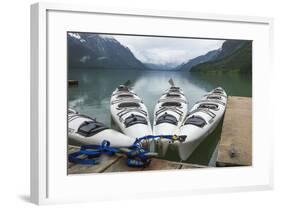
x,y
72,82
235,146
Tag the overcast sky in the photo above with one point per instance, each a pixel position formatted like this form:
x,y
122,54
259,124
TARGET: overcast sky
x,y
159,50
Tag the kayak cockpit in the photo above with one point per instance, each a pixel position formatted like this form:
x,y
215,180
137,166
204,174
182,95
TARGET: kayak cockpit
x,y
216,97
129,105
90,128
128,95
211,106
196,121
135,119
172,95
167,118
171,104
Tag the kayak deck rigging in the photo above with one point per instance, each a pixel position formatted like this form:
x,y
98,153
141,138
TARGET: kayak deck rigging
x,y
128,110
135,119
196,121
172,100
170,108
204,110
75,116
127,100
211,101
167,118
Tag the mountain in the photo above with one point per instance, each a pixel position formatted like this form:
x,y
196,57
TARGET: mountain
x,y
229,47
87,50
200,59
235,56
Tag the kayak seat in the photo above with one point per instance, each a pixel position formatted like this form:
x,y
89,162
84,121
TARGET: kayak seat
x,y
196,121
128,104
135,119
125,96
90,128
172,95
167,118
169,104
211,106
214,97
174,91
174,88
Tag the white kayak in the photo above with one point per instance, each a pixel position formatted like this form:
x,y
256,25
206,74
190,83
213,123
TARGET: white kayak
x,y
84,130
129,113
169,112
202,120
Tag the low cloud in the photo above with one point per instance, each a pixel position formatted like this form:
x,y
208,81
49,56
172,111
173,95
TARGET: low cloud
x,y
173,51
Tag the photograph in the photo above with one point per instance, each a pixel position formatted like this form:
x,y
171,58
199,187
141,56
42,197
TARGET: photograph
x,y
146,102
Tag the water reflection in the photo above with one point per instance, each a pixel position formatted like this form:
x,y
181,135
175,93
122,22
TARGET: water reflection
x,y
235,84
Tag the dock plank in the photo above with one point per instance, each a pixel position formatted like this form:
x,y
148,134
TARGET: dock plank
x,y
191,166
158,164
121,166
235,147
105,162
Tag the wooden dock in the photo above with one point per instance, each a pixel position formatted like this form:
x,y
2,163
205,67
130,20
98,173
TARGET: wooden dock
x,y
117,163
235,146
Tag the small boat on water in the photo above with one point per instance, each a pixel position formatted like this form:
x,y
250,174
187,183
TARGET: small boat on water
x,y
84,130
170,111
201,121
129,113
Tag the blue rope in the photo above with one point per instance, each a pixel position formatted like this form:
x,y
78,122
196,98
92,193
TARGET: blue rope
x,y
136,157
103,148
73,157
91,151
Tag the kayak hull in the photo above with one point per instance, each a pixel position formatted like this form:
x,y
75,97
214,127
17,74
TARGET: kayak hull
x,y
202,120
76,120
166,129
125,106
186,148
115,138
174,104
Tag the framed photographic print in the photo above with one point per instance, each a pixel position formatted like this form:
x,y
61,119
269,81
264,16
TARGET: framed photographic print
x,y
123,96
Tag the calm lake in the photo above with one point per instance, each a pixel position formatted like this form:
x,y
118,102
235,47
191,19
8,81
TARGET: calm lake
x,y
92,95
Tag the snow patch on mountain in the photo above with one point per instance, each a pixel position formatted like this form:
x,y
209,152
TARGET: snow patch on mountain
x,y
77,36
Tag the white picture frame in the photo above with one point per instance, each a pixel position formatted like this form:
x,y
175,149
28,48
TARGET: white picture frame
x,y
49,180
